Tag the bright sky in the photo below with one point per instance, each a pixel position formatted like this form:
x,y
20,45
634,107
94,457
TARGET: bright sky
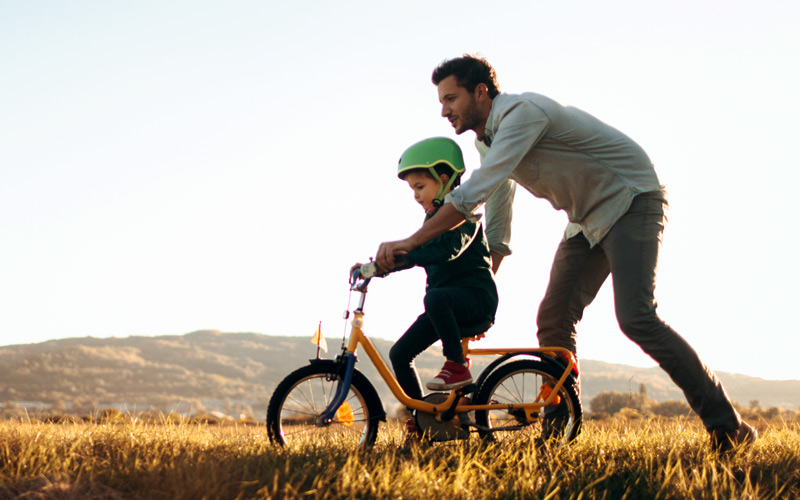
x,y
167,167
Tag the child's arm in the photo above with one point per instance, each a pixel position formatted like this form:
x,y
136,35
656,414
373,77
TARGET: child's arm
x,y
445,219
446,247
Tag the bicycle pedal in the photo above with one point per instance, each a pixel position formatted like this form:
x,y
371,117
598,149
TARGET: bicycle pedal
x,y
465,419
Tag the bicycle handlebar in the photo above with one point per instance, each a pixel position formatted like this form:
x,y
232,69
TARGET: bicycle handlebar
x,y
369,269
360,277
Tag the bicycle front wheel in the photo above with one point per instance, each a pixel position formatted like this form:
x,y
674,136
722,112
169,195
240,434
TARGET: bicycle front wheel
x,y
526,381
302,397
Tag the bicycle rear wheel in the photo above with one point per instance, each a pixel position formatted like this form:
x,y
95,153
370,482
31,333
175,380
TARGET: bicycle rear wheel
x,y
303,395
522,381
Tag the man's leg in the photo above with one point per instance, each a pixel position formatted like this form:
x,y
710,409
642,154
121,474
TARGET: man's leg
x,y
577,274
632,248
575,277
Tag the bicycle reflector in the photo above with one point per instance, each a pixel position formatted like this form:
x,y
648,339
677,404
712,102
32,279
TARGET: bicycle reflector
x,y
344,415
544,393
567,357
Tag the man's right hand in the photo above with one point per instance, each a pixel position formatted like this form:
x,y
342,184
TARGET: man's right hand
x,y
445,219
385,257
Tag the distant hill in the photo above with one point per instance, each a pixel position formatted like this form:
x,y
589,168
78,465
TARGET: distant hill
x,y
213,369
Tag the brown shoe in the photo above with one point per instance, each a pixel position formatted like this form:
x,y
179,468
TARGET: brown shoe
x,y
725,441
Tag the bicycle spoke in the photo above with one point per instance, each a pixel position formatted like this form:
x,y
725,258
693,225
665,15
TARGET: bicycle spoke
x,y
306,400
520,382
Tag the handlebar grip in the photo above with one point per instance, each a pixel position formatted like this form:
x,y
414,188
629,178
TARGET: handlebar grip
x,y
369,270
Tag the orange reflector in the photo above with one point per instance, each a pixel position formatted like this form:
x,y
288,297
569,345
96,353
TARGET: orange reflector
x,y
344,415
544,393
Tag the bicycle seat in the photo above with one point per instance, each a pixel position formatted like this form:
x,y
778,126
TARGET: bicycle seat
x,y
473,331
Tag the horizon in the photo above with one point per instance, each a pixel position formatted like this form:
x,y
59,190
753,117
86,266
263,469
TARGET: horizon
x,y
331,350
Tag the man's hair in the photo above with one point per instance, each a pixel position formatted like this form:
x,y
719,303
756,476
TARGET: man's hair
x,y
440,168
470,71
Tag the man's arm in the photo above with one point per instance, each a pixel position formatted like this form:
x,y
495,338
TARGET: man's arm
x,y
445,219
499,214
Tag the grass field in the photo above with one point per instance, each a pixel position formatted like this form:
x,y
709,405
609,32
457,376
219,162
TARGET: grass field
x,y
614,459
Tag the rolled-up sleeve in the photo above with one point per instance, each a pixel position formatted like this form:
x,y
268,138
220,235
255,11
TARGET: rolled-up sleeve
x,y
514,130
499,215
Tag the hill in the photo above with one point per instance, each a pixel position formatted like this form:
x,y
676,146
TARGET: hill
x,y
239,371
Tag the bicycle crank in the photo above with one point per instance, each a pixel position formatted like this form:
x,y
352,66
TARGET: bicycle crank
x,y
437,430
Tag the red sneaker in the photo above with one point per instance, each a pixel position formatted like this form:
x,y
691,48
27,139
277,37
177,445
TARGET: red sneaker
x,y
411,428
413,437
453,376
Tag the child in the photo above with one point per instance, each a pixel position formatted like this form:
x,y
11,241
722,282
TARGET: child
x,y
460,287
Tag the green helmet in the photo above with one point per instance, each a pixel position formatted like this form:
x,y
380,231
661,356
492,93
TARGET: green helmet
x,y
427,154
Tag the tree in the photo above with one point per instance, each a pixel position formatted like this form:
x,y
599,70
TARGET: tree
x,y
644,401
612,401
671,408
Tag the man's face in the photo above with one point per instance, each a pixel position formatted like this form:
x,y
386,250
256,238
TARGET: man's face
x,y
459,105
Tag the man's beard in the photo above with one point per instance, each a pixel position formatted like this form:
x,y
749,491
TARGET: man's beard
x,y
470,118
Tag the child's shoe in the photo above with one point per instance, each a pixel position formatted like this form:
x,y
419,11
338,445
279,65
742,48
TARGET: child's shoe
x,y
454,375
413,436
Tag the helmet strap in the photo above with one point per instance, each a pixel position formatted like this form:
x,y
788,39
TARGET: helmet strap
x,y
439,200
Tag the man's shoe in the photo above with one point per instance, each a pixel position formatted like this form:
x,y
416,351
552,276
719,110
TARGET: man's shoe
x,y
725,441
453,376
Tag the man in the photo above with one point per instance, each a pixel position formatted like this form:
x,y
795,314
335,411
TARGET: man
x,y
608,187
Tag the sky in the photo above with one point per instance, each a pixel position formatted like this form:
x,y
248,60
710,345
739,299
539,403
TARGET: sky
x,y
167,167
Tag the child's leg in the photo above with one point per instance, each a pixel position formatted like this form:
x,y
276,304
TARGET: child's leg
x,y
419,336
447,307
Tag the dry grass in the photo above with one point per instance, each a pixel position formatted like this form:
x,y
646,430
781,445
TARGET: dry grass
x,y
643,459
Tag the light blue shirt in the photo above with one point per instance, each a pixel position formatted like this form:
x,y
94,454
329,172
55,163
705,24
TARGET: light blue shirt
x,y
579,164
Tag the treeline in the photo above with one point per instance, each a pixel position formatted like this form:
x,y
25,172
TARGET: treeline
x,y
638,405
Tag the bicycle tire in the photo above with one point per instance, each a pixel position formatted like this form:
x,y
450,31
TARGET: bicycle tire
x,y
521,381
305,393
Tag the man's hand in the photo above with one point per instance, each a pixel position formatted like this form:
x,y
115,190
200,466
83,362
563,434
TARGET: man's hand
x,y
388,250
496,260
445,219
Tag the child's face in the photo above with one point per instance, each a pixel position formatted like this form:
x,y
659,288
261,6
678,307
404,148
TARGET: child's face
x,y
425,188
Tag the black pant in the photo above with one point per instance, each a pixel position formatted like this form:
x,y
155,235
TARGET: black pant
x,y
629,253
445,309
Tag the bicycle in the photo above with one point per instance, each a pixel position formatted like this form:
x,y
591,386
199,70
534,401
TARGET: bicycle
x,y
331,401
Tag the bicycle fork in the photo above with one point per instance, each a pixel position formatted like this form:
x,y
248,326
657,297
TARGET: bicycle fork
x,y
346,363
